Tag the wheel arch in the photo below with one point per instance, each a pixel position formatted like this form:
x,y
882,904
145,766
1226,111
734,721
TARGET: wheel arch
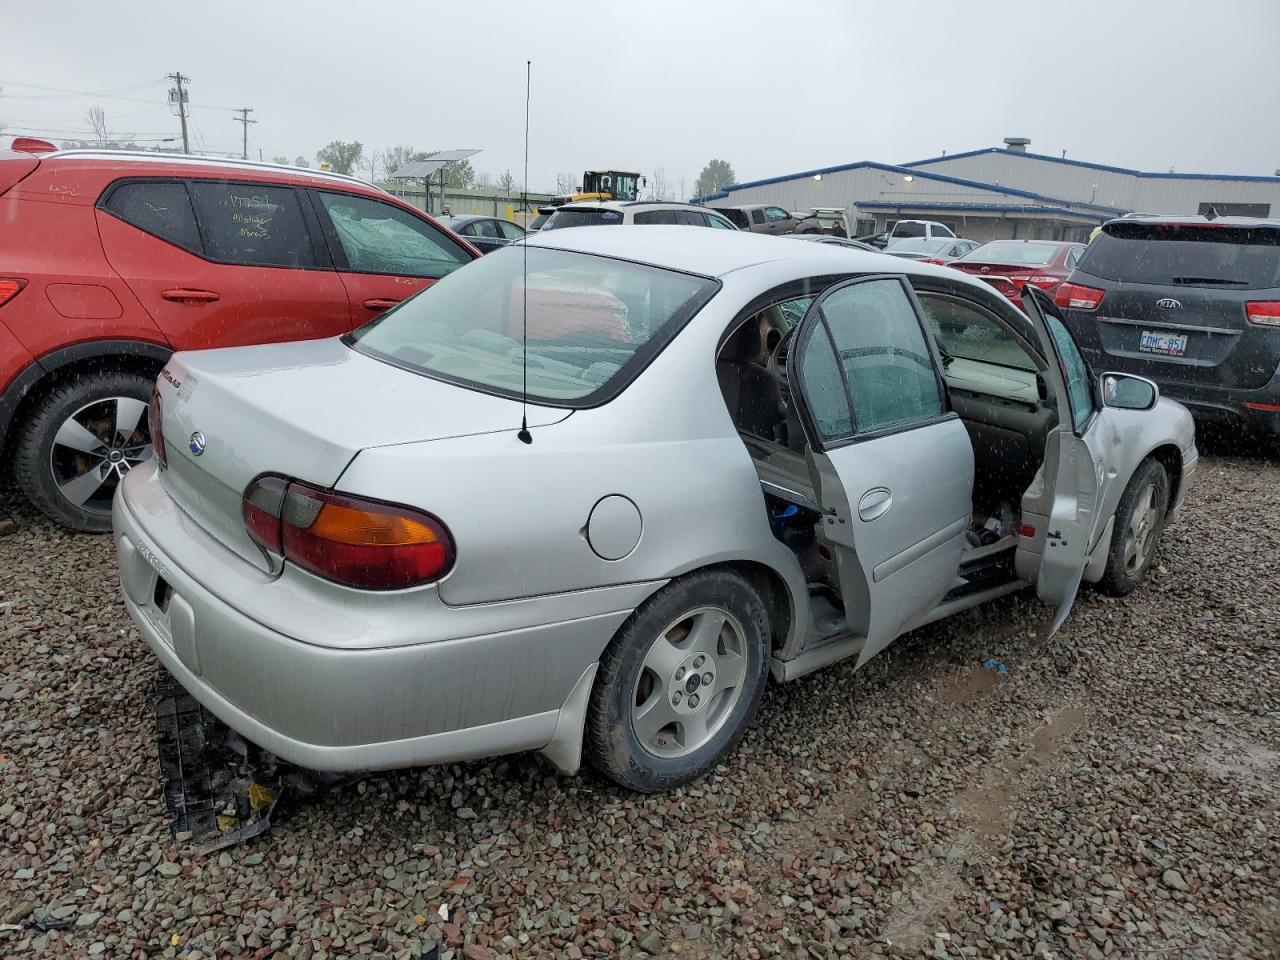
x,y
1170,457
55,367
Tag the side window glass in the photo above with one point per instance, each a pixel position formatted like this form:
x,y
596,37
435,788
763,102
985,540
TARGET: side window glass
x,y
380,238
691,218
486,228
655,216
776,213
1073,257
824,388
757,216
718,222
252,224
510,230
883,355
161,209
1077,371
965,332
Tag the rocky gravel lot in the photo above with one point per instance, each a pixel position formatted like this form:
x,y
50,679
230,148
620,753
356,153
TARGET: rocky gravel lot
x,y
1114,793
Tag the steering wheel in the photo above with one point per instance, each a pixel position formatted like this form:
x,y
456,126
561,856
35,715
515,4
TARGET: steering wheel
x,y
777,365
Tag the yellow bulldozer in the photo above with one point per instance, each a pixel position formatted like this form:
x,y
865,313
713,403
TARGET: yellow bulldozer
x,y
605,185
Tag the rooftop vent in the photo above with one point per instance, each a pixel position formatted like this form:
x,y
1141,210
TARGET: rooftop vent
x,y
1017,144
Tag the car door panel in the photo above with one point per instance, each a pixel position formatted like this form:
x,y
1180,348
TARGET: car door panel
x,y
896,491
199,302
1067,493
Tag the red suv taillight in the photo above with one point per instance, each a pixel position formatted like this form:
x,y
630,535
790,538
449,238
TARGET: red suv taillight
x,y
1078,297
1263,313
350,540
9,287
155,427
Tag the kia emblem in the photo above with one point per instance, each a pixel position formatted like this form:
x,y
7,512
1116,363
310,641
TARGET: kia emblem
x,y
1169,303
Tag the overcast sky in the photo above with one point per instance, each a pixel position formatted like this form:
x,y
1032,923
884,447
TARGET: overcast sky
x,y
771,87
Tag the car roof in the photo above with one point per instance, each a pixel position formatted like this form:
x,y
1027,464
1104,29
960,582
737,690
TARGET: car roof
x,y
627,204
1197,219
228,166
715,253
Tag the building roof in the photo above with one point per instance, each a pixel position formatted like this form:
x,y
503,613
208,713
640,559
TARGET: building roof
x,y
1092,166
914,172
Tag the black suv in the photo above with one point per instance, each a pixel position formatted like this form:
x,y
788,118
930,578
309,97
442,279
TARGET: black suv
x,y
1192,303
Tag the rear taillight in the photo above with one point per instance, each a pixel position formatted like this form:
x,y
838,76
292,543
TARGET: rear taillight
x,y
155,427
1044,283
1078,297
1264,313
941,263
9,287
350,540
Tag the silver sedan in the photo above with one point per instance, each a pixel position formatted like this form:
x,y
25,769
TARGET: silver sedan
x,y
588,494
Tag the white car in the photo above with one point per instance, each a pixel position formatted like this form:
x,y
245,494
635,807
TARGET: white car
x,y
600,213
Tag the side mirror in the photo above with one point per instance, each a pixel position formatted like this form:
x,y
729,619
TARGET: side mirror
x,y
1127,392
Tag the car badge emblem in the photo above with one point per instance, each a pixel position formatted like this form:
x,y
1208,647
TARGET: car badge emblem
x,y
1169,303
986,269
196,443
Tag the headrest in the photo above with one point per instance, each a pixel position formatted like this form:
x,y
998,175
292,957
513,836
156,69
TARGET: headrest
x,y
744,344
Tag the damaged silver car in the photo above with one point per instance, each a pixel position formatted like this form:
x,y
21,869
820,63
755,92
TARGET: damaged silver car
x,y
741,457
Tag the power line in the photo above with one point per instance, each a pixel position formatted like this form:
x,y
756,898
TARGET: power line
x,y
64,92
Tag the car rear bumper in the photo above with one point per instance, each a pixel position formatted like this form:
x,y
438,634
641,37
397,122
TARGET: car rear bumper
x,y
365,707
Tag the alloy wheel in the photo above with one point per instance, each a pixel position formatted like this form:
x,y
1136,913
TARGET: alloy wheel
x,y
689,683
1140,535
95,447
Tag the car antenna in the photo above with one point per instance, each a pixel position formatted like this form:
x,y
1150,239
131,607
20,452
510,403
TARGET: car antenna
x,y
524,435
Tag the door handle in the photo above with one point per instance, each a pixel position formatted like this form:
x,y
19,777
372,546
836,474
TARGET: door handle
x,y
184,295
379,303
875,503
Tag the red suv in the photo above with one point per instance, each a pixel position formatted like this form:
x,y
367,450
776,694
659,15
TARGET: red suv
x,y
110,261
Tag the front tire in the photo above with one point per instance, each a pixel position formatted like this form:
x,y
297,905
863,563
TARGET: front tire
x,y
77,444
679,683
1140,518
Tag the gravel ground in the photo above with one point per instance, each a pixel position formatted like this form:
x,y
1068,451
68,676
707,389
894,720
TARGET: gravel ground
x,y
1113,794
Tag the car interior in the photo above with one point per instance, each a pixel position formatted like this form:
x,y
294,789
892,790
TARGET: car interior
x,y
992,382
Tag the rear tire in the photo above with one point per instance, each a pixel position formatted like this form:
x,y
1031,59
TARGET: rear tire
x,y
651,724
1140,518
79,441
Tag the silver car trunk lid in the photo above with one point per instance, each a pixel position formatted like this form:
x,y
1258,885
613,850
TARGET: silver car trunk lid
x,y
303,410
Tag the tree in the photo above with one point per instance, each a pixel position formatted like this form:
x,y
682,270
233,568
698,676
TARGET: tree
x,y
566,183
507,183
659,186
342,157
373,161
393,158
459,175
484,181
97,120
715,176
301,161
283,161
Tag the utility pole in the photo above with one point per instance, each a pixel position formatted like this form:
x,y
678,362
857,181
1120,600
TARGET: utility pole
x,y
244,120
178,97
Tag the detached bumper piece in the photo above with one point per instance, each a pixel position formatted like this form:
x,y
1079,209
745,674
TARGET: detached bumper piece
x,y
219,789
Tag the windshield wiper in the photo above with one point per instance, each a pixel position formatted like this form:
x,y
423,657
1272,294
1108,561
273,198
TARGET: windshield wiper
x,y
1218,280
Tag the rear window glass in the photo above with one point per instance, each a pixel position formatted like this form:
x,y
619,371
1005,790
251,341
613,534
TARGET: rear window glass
x,y
1185,255
582,218
161,209
593,323
252,224
909,229
1013,252
921,245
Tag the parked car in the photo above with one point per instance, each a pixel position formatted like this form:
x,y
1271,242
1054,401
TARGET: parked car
x,y
112,260
1192,303
762,218
595,213
486,234
907,229
835,241
1011,265
941,250
544,214
389,570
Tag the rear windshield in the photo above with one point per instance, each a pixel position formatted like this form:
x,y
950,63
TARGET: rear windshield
x,y
921,245
1197,255
582,218
909,228
1013,252
593,323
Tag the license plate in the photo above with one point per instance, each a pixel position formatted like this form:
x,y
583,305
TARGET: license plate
x,y
1168,344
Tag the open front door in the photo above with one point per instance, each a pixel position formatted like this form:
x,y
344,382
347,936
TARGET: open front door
x,y
1063,504
892,469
